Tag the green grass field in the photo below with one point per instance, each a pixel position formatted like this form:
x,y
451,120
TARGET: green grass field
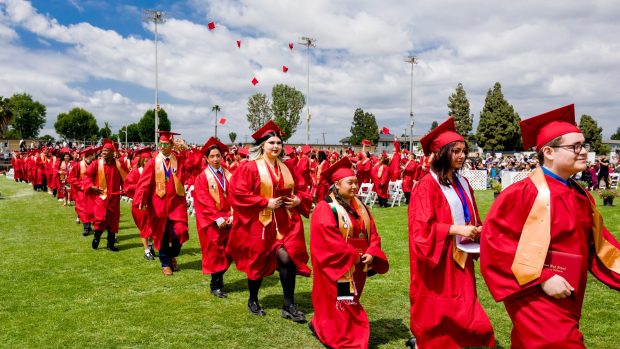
x,y
57,292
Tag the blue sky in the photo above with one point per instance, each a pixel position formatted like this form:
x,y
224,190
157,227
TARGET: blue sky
x,y
99,55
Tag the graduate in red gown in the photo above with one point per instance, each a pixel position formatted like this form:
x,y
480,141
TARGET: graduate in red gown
x,y
140,217
102,183
303,165
345,248
380,176
267,233
76,176
160,190
547,215
62,173
51,172
363,168
320,187
445,311
409,172
39,177
213,214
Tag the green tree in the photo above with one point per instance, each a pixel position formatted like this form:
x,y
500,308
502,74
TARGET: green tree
x,y
616,136
28,115
147,124
259,110
133,133
287,105
593,134
459,108
232,136
105,131
364,127
499,123
434,125
78,124
5,115
47,139
216,108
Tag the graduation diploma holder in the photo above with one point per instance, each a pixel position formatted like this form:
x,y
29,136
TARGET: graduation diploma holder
x,y
567,265
360,244
467,245
286,193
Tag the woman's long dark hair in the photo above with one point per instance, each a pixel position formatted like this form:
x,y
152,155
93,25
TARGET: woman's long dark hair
x,y
442,162
340,200
322,157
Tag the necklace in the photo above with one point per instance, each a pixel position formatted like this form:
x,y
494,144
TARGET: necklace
x,y
275,173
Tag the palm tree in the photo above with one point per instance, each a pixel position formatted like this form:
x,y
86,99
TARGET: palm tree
x,y
216,109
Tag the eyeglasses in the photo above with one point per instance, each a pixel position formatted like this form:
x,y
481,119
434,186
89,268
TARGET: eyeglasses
x,y
576,148
165,145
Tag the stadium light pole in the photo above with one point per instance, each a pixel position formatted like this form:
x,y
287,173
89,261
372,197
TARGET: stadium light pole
x,y
156,17
411,60
309,43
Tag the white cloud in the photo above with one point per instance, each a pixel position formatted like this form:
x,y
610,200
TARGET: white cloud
x,y
544,54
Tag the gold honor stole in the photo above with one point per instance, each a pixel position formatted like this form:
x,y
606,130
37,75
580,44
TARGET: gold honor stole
x,y
101,182
536,235
160,176
266,190
82,168
346,229
214,187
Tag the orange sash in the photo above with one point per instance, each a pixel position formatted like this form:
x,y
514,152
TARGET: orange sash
x,y
160,176
266,189
214,187
101,182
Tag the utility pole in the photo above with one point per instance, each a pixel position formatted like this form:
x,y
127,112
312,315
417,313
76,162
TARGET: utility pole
x,y
309,43
156,17
412,60
323,133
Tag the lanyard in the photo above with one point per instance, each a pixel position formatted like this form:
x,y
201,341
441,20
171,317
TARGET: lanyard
x,y
221,182
461,195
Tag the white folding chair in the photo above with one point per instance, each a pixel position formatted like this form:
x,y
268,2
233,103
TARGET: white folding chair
x,y
613,180
395,190
190,200
366,194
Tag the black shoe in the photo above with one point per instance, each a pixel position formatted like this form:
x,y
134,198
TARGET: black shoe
x,y
411,342
255,308
152,250
112,248
291,312
149,256
219,293
95,243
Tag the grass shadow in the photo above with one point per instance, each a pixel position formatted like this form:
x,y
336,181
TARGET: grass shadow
x,y
302,299
122,237
123,247
241,285
190,251
193,265
383,331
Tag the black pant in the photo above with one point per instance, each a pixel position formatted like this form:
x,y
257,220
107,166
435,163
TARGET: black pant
x,y
169,249
217,280
407,196
605,177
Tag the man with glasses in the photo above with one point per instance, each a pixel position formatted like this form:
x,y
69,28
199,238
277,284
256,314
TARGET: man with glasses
x,y
543,234
160,190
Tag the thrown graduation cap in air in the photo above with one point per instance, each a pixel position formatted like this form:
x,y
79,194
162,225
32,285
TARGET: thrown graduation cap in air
x,y
254,81
239,43
290,45
211,25
284,68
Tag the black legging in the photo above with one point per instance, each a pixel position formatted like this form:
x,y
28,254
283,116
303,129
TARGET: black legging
x,y
288,274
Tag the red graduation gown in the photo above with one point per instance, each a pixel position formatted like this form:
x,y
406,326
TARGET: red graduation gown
x,y
381,183
339,324
213,240
363,168
140,217
83,209
445,311
409,175
106,212
169,207
540,321
253,248
39,170
303,166
322,187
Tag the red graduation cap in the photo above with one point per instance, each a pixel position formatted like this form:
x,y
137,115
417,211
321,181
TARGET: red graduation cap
x,y
87,151
214,142
108,143
254,81
64,150
144,153
541,129
211,25
290,45
365,142
339,170
243,151
239,43
306,149
270,126
222,121
284,68
288,150
335,155
443,134
167,136
385,131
